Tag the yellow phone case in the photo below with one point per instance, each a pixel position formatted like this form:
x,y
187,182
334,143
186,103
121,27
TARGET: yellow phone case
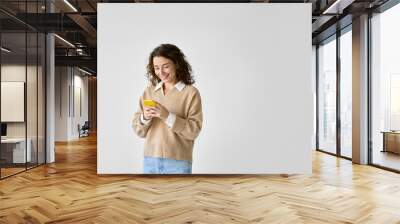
x,y
149,103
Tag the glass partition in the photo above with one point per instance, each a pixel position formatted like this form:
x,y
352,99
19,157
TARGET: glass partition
x,y
13,98
22,77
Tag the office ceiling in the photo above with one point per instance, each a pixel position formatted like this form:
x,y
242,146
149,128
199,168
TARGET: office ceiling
x,y
76,22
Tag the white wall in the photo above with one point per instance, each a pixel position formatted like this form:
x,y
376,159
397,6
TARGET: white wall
x,y
80,84
252,65
17,73
61,103
68,81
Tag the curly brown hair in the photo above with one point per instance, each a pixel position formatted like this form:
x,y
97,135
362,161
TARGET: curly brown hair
x,y
172,52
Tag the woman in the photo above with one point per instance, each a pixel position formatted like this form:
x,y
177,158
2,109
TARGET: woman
x,y
170,127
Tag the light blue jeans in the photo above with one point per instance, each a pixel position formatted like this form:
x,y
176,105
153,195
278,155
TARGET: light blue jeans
x,y
155,165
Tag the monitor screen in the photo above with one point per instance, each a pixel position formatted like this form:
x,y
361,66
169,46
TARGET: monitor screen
x,y
3,129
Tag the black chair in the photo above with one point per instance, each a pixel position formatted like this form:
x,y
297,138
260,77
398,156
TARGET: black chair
x,y
84,130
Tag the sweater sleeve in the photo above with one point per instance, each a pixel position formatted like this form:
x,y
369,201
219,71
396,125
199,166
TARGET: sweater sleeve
x,y
139,127
189,127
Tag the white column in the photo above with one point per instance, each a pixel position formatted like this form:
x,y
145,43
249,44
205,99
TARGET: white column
x,y
50,92
50,110
360,90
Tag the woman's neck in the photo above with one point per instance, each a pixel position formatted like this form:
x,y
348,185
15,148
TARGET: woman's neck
x,y
169,85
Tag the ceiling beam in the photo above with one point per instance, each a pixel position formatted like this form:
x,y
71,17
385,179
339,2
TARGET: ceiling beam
x,y
337,6
85,61
83,23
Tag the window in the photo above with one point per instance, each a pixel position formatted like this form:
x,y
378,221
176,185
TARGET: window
x,y
385,88
346,93
327,96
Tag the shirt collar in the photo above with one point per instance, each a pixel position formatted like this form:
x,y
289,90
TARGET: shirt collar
x,y
179,86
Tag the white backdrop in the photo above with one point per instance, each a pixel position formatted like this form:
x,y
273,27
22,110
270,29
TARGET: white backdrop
x,y
252,66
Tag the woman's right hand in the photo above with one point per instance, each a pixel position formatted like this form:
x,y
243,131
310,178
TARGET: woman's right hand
x,y
148,113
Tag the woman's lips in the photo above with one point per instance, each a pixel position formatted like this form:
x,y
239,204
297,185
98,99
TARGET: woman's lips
x,y
165,77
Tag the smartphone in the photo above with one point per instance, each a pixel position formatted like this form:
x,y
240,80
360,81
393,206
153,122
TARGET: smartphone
x,y
149,103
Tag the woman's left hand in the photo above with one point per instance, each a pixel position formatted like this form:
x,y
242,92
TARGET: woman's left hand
x,y
161,112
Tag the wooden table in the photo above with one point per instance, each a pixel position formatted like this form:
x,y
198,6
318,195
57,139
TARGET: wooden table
x,y
391,141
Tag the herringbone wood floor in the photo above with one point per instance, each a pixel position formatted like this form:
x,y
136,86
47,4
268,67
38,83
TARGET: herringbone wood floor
x,y
70,191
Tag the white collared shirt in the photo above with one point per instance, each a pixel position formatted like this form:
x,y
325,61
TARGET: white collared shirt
x,y
171,117
179,86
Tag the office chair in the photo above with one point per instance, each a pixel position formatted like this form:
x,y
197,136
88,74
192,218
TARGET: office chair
x,y
84,130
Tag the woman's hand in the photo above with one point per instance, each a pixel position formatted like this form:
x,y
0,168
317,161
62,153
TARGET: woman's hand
x,y
148,113
158,111
161,112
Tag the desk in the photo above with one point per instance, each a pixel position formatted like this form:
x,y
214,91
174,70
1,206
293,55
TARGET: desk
x,y
13,150
391,141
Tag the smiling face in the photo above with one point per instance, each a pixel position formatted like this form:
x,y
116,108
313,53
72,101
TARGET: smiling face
x,y
165,69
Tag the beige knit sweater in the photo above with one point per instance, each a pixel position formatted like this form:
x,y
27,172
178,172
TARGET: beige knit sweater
x,y
174,142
